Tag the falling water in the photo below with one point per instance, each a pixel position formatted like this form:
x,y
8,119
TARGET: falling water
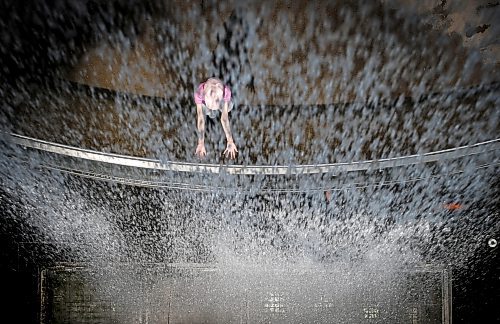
x,y
313,83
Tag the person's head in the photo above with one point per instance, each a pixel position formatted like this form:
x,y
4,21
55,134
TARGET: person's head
x,y
214,91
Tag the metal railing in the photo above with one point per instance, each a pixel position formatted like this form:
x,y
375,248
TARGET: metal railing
x,y
176,166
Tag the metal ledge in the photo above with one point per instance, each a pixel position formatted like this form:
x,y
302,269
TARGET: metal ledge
x,y
153,164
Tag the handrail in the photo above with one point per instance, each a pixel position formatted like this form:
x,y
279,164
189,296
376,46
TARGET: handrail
x,y
145,163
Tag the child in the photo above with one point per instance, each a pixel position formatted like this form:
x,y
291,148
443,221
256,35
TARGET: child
x,y
211,97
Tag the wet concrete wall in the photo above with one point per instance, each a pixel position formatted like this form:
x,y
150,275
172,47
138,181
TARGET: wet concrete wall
x,y
299,53
474,21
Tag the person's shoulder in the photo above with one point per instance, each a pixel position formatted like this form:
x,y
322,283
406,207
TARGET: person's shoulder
x,y
227,93
198,93
200,87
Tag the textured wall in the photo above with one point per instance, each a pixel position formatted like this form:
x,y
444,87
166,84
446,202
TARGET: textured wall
x,y
476,21
298,54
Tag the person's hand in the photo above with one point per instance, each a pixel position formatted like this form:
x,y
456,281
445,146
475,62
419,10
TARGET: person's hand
x,y
251,86
231,150
200,150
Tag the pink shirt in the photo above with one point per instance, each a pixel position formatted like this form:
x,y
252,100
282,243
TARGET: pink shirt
x,y
199,97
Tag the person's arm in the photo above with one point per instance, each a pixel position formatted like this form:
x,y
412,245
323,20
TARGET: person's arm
x,y
200,123
225,122
200,117
231,147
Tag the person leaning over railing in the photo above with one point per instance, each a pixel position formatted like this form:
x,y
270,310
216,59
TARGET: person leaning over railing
x,y
212,97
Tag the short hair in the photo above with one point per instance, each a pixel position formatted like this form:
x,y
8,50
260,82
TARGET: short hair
x,y
214,86
214,89
214,92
